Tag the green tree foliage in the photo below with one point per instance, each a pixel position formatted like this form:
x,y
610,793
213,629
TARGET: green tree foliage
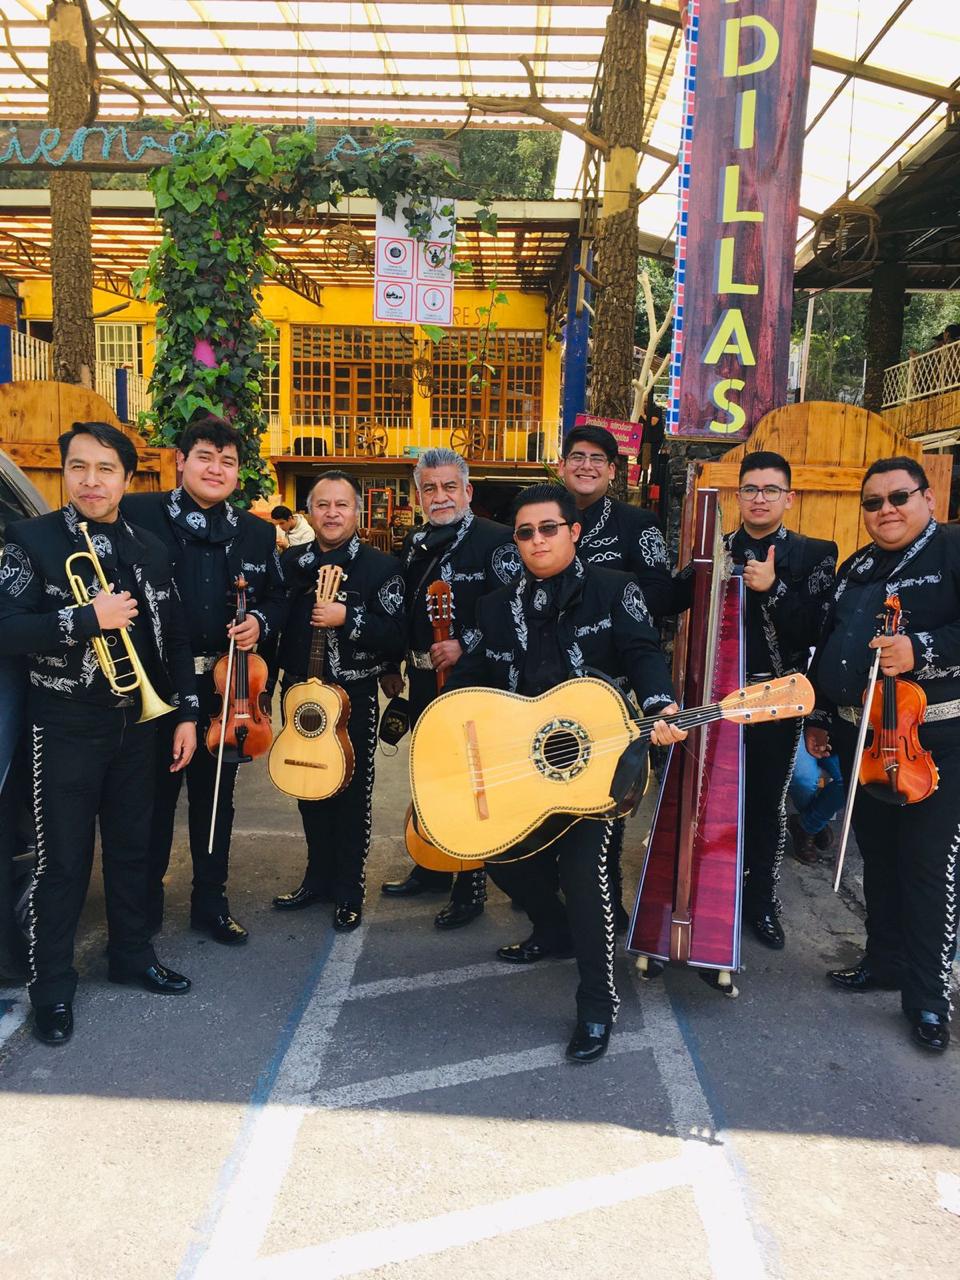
x,y
520,165
926,315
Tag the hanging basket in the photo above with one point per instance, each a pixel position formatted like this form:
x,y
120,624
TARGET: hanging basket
x,y
845,238
344,246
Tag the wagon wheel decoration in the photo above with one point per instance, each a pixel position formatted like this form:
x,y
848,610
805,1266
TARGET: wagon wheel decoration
x,y
372,441
297,227
469,441
845,237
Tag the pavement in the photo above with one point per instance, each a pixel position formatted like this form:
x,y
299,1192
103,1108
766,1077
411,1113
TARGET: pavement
x,y
395,1102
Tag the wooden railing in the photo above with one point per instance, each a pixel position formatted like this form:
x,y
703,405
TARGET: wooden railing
x,y
396,436
928,374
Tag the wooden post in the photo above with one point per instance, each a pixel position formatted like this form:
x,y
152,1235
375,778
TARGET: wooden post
x,y
71,259
884,328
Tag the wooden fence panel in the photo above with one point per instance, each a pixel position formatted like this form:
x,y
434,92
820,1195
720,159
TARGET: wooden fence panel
x,y
34,414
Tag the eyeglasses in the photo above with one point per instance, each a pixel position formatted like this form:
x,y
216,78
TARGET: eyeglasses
x,y
583,459
899,498
770,491
546,529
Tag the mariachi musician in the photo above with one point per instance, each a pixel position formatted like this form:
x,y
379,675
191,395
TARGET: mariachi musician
x,y
562,620
92,750
788,578
474,556
364,630
211,543
617,535
909,852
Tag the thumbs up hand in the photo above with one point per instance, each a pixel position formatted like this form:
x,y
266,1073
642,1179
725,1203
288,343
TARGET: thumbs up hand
x,y
760,575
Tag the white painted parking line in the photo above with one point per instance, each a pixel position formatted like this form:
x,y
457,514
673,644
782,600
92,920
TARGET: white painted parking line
x,y
14,1015
352,1255
439,978
468,1072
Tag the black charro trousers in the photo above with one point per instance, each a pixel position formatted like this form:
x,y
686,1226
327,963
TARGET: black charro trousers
x,y
769,751
910,872
89,763
580,861
209,896
337,830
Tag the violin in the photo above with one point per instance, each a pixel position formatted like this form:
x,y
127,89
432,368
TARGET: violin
x,y
245,704
895,768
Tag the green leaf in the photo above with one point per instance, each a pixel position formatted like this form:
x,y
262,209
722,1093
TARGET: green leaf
x,y
434,332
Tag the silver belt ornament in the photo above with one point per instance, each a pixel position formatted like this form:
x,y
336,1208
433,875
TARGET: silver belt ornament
x,y
420,659
936,711
204,662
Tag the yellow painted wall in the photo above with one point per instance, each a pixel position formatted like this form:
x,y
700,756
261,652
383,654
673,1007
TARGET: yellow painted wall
x,y
342,305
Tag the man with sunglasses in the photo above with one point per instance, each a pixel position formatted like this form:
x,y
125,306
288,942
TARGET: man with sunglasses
x,y
564,619
788,577
615,534
910,852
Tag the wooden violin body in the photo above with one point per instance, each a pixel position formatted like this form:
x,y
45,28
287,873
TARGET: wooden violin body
x,y
894,767
312,757
243,721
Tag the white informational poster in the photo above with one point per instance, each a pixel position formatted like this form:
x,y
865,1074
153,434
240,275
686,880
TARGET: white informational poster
x,y
413,280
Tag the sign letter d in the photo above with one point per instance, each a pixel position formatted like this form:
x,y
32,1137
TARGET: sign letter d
x,y
769,40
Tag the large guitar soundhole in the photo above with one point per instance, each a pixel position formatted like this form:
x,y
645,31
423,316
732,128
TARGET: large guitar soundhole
x,y
561,750
310,720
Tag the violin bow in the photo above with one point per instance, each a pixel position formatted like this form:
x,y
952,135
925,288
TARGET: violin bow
x,y
855,771
223,738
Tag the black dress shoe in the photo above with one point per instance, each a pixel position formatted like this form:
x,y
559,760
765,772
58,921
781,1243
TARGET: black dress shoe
x,y
768,929
862,978
530,951
456,914
804,848
300,898
930,1030
53,1023
222,928
411,887
589,1041
156,978
346,917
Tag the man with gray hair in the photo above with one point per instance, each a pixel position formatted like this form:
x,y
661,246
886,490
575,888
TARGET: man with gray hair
x,y
474,556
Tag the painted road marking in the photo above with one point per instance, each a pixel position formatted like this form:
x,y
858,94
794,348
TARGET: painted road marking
x,y
441,978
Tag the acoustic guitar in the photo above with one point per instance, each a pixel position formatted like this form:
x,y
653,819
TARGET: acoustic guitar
x,y
312,756
425,854
495,773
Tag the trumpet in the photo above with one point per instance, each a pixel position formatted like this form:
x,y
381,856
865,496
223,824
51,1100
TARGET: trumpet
x,y
121,683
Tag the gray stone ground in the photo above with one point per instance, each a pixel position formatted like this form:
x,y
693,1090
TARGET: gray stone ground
x,y
394,1103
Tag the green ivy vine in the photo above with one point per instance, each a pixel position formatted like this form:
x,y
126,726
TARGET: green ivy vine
x,y
215,200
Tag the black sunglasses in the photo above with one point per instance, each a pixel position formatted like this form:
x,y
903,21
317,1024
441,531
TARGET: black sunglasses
x,y
899,498
546,529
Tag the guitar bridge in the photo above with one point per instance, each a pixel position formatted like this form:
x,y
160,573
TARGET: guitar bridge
x,y
476,770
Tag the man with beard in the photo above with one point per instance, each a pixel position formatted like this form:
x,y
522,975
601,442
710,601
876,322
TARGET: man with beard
x,y
364,630
92,757
910,850
563,620
210,543
474,556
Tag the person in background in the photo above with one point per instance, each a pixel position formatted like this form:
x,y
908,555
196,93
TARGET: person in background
x,y
295,530
818,795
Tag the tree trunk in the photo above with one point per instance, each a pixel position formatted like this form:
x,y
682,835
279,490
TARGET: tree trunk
x,y
617,244
71,259
885,329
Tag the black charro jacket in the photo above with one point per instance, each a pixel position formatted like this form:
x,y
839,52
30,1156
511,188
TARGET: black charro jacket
x,y
784,623
617,535
606,628
926,577
374,631
252,552
38,617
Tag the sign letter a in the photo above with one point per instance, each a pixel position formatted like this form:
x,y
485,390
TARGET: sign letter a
x,y
730,338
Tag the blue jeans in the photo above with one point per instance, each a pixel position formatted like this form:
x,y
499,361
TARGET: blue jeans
x,y
816,805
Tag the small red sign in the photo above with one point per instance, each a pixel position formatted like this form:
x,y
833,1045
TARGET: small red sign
x,y
628,435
